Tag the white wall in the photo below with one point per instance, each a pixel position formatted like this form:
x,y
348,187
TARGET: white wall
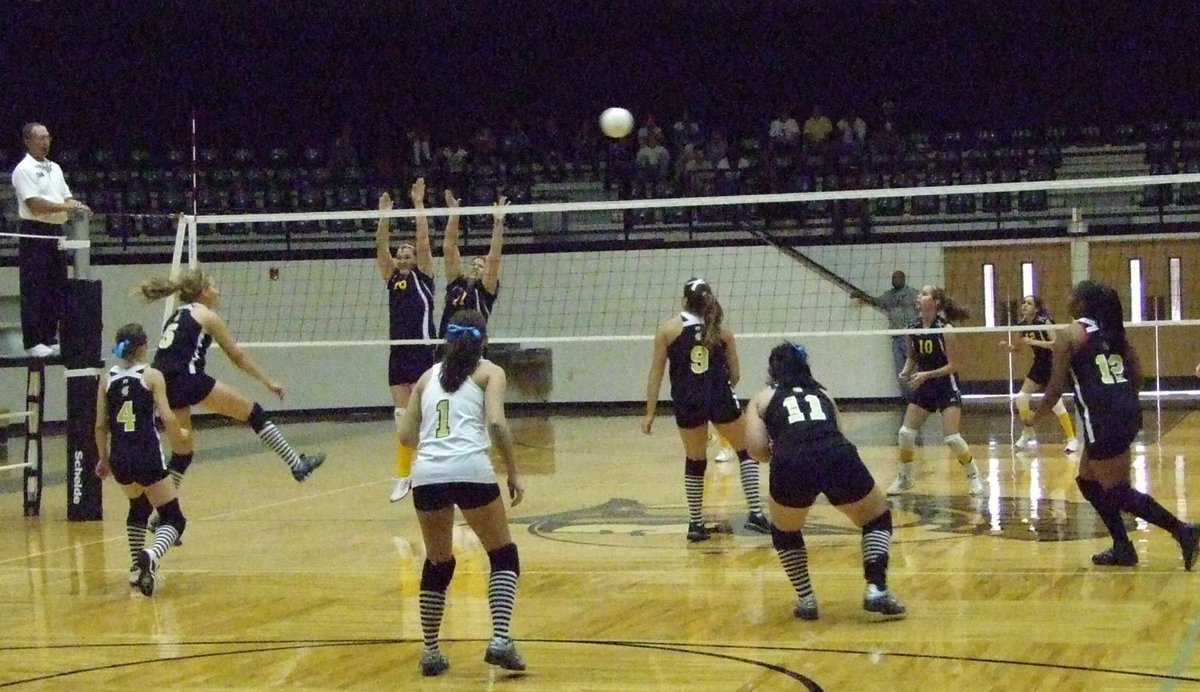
x,y
626,293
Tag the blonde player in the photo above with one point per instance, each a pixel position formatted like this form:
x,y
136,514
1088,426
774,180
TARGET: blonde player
x,y
408,276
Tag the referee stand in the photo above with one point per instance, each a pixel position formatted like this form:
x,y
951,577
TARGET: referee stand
x,y
80,340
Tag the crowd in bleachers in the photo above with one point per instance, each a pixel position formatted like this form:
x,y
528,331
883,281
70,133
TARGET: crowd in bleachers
x,y
134,188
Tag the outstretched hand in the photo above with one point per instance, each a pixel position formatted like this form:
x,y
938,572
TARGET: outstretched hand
x,y
385,201
451,200
500,209
417,192
276,388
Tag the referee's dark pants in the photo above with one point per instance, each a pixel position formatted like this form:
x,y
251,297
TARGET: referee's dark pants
x,y
43,282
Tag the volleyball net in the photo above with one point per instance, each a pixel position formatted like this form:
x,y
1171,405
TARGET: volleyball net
x,y
589,281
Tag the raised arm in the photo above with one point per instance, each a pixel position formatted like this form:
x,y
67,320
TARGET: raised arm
x,y
450,243
383,247
424,251
215,326
491,263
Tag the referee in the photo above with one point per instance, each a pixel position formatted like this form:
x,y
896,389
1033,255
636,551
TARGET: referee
x,y
44,203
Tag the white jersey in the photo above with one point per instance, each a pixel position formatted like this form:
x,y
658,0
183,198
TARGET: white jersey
x,y
454,442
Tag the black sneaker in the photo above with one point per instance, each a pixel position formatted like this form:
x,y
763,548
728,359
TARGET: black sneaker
x,y
504,654
806,608
433,662
1120,555
1189,543
757,522
308,464
697,532
882,602
146,565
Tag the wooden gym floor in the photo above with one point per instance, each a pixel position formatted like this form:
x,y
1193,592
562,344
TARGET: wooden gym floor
x,y
314,586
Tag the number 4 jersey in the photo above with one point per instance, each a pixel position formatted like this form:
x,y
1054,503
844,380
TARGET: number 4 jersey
x,y
131,417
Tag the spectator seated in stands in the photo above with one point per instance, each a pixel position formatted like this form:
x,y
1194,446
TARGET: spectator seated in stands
x,y
784,133
852,134
685,131
817,128
653,161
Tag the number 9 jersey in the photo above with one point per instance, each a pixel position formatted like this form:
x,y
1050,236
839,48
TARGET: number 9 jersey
x,y
699,374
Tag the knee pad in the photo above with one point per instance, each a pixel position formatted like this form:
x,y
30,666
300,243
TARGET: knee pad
x,y
695,467
139,511
786,540
907,438
883,522
398,415
258,418
957,444
170,514
436,577
505,559
1059,408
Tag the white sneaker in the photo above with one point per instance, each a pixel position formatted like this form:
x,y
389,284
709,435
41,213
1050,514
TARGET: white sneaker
x,y
902,484
1025,440
55,350
400,488
1072,445
974,486
41,351
725,454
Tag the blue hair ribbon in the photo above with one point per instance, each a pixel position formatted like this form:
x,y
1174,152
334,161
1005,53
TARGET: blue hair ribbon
x,y
455,332
800,351
121,348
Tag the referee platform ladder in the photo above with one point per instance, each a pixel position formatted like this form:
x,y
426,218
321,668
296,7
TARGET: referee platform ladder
x,y
12,355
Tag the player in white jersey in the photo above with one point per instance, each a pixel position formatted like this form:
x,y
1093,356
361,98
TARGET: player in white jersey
x,y
458,412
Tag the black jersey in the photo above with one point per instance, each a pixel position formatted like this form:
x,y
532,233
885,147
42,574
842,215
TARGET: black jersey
x,y
410,305
1105,397
929,349
183,345
1040,353
799,419
133,435
464,295
699,374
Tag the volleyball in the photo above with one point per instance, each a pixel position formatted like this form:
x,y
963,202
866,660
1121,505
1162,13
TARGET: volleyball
x,y
616,122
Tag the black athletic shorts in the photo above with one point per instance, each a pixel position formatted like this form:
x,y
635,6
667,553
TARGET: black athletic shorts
x,y
406,364
836,471
145,470
430,498
720,410
1111,439
937,394
1039,372
185,389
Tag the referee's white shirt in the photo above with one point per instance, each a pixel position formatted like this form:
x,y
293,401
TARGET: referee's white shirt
x,y
454,442
32,178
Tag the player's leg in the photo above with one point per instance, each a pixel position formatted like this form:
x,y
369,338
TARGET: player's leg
x,y
789,498
171,524
735,432
483,509
1025,413
226,401
135,524
435,515
1113,475
951,417
401,393
914,417
695,463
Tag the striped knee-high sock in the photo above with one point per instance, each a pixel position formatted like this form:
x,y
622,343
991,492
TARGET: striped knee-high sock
x,y
435,579
748,471
795,566
272,438
502,588
136,533
164,537
135,525
177,467
876,545
693,487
